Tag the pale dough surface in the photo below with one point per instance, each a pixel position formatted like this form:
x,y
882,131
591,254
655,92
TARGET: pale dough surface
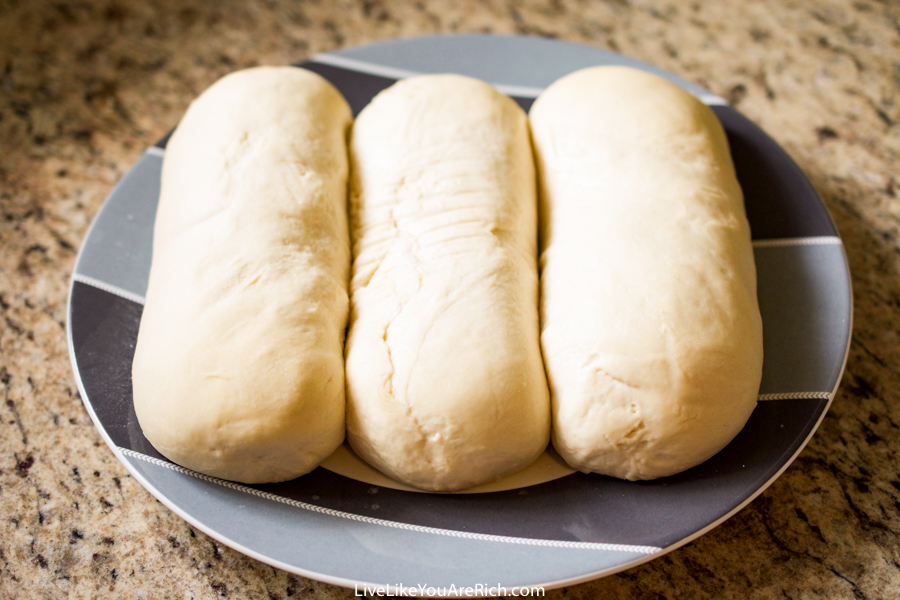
x,y
445,385
238,371
651,330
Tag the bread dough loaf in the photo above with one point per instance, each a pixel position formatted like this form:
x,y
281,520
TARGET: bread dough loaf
x,y
238,371
445,384
651,330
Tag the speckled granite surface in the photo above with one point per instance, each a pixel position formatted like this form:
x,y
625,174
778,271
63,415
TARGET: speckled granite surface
x,y
85,87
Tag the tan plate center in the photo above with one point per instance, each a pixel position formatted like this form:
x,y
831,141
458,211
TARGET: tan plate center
x,y
549,466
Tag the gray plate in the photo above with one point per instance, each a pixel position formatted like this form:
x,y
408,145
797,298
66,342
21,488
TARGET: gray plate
x,y
579,527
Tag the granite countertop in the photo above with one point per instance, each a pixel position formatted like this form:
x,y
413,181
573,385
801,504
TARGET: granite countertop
x,y
86,87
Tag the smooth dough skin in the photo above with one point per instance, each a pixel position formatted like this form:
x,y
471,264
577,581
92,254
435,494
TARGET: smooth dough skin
x,y
651,330
445,384
238,371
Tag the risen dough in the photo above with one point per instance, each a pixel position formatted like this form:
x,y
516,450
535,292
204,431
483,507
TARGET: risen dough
x,y
238,371
650,325
445,384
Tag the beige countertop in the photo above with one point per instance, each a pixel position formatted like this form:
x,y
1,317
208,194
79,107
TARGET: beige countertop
x,y
86,87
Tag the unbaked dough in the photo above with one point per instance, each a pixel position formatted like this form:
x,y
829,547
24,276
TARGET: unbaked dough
x,y
238,371
651,331
445,384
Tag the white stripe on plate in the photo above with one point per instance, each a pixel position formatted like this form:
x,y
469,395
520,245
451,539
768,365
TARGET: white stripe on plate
x,y
805,241
106,287
794,396
155,151
394,524
825,240
713,100
395,73
363,67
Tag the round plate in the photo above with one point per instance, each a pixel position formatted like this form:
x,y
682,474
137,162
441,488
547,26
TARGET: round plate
x,y
577,527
